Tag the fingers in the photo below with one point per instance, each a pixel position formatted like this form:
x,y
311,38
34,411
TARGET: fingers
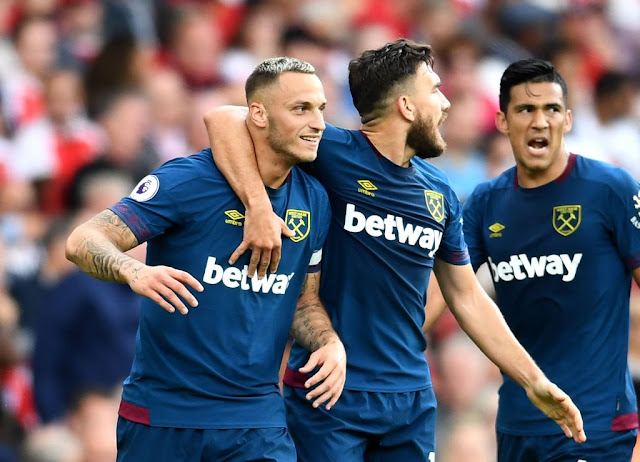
x,y
285,230
311,364
166,287
186,278
161,301
328,380
240,250
275,260
264,265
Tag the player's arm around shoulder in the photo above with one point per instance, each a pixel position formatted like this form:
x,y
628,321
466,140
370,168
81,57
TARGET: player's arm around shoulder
x,y
98,247
234,154
313,330
480,318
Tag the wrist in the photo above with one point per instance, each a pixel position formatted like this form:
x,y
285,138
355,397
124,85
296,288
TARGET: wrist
x,y
258,201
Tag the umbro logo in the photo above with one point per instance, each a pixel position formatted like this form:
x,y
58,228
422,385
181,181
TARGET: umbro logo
x,y
367,188
496,229
234,217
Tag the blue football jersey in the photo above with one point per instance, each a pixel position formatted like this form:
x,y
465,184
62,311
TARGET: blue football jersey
x,y
216,367
561,256
388,225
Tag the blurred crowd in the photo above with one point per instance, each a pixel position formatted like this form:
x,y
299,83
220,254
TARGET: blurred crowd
x,y
96,93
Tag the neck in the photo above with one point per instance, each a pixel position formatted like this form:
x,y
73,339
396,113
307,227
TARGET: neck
x,y
273,169
532,178
390,139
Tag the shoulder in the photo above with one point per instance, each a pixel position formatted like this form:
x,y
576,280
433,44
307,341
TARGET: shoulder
x,y
309,184
337,134
183,171
604,176
435,179
340,141
503,182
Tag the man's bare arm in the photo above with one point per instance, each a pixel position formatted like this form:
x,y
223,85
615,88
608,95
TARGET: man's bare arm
x,y
98,247
481,319
234,155
313,330
435,307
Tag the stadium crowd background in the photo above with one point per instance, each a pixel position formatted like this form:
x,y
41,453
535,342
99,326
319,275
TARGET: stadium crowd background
x,y
95,93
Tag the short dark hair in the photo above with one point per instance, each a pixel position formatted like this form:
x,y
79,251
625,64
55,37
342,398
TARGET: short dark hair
x,y
270,69
375,73
610,83
528,71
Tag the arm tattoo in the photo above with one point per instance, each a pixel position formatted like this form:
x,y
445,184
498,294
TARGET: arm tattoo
x,y
311,324
100,251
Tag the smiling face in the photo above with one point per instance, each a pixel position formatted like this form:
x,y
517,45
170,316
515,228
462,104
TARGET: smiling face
x,y
294,117
536,121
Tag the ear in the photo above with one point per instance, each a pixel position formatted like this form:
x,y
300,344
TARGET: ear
x,y
501,123
569,122
258,114
406,108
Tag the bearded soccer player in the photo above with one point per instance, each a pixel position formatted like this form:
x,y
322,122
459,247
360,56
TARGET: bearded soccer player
x,y
561,234
205,386
395,218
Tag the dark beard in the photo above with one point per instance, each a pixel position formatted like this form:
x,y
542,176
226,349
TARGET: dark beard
x,y
421,137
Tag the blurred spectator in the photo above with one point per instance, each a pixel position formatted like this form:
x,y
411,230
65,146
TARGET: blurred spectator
x,y
85,332
80,23
195,48
468,440
124,117
463,163
31,290
93,418
52,443
121,65
609,131
50,150
498,153
22,90
18,413
169,104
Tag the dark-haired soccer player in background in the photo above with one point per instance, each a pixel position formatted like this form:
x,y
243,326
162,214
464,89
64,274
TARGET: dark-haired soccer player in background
x,y
561,234
395,218
205,386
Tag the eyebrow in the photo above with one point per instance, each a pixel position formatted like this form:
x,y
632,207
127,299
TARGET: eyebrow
x,y
306,104
545,106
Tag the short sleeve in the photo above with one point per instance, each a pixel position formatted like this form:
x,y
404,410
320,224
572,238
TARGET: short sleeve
x,y
151,208
625,218
324,221
454,248
472,219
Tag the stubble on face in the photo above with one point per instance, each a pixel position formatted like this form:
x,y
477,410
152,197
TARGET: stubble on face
x,y
424,138
283,147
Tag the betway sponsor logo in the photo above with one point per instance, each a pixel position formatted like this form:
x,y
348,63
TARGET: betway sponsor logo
x,y
521,267
233,278
392,228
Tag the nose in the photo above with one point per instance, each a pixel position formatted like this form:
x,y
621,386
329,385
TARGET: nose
x,y
540,120
317,122
446,104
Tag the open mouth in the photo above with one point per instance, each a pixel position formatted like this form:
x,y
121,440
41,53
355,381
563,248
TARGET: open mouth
x,y
311,139
538,144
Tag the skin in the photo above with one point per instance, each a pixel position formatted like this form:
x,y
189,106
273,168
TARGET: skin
x,y
286,122
537,111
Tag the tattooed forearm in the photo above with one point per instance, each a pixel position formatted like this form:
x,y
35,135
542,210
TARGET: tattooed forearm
x,y
311,324
98,247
